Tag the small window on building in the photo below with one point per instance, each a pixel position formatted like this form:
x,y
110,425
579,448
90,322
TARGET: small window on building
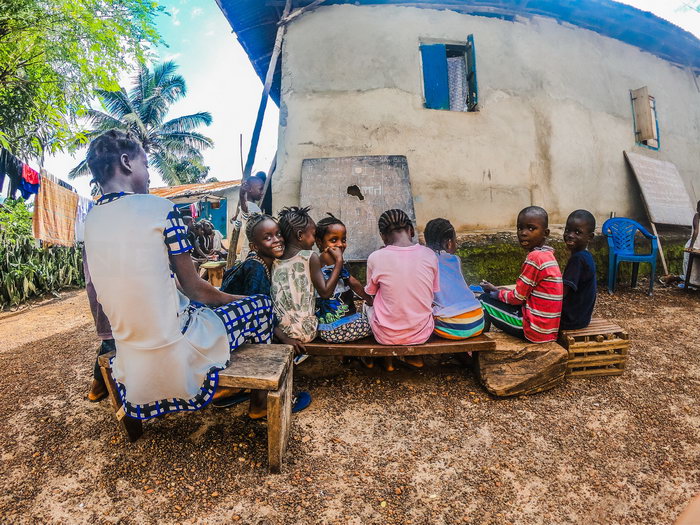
x,y
646,126
449,76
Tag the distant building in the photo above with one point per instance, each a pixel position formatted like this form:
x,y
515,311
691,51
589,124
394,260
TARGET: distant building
x,y
497,104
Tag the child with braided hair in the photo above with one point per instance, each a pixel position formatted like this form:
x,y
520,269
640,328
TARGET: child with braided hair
x,y
298,272
339,321
402,277
458,313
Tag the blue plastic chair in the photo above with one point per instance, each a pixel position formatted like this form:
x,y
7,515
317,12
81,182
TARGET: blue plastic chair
x,y
620,233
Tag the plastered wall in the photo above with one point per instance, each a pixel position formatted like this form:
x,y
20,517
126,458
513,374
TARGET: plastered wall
x,y
555,112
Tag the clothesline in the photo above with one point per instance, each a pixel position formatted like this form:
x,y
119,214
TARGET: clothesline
x,y
59,211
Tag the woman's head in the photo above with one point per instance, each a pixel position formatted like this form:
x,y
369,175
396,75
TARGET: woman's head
x,y
207,227
440,235
331,233
393,223
265,236
118,154
298,228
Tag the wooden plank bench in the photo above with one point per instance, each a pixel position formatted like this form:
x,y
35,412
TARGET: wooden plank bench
x,y
600,349
261,367
369,347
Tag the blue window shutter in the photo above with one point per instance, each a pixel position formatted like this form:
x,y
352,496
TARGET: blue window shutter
x,y
472,85
435,83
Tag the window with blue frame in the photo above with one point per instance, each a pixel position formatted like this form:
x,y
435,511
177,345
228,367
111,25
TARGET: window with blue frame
x,y
646,124
449,76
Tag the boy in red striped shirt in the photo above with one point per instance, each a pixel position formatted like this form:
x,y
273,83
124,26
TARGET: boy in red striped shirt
x,y
531,311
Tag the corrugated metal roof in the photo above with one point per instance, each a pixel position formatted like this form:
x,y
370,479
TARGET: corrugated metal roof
x,y
187,190
255,24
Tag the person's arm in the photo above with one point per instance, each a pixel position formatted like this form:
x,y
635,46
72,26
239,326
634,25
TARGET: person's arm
x,y
696,224
356,286
326,288
196,288
572,275
283,338
527,280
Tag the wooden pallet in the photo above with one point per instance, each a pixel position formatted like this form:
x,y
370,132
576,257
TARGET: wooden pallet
x,y
598,350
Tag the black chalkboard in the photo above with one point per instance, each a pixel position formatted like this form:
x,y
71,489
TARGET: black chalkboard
x,y
357,190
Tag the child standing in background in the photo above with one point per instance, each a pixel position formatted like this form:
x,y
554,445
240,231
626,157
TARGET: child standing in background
x,y
402,277
251,192
693,244
579,275
339,320
297,273
458,313
531,311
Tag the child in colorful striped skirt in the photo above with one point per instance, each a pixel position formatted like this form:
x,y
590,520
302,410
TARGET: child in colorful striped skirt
x,y
531,311
457,312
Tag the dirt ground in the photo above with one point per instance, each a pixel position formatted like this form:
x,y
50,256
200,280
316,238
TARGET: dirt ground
x,y
426,447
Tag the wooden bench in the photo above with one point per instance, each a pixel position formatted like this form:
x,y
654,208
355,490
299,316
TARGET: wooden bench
x,y
260,367
600,349
369,347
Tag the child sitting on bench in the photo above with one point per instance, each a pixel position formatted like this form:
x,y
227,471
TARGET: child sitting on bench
x,y
338,319
579,276
297,273
170,346
530,312
402,277
458,313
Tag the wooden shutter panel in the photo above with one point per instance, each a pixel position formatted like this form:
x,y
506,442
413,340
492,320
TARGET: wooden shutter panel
x,y
435,83
645,124
472,85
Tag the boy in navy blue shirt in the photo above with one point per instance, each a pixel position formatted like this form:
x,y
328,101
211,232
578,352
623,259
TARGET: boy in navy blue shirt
x,y
579,275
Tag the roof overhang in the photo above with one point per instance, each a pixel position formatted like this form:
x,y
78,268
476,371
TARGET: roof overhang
x,y
255,24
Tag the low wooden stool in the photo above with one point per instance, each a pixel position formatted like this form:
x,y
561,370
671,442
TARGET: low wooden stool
x,y
260,367
598,350
369,347
215,272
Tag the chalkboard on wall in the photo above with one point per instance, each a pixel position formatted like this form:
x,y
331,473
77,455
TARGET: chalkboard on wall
x,y
357,190
664,193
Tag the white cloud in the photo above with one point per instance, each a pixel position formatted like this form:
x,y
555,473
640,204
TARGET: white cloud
x,y
197,11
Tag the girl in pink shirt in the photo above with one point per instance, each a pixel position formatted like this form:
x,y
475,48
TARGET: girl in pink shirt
x,y
402,277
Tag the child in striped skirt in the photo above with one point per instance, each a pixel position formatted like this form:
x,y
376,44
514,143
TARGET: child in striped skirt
x,y
457,312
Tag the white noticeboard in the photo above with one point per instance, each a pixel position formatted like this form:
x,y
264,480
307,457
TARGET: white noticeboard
x,y
664,193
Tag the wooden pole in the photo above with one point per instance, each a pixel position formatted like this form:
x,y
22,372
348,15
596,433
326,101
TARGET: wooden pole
x,y
254,139
661,250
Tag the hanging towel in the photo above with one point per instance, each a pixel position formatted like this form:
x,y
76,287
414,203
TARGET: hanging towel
x,y
55,212
84,205
29,185
12,168
194,211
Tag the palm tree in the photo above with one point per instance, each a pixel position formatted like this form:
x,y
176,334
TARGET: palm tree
x,y
191,170
142,111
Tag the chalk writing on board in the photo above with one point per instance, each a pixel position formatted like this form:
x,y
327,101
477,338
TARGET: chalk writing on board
x,y
664,193
332,184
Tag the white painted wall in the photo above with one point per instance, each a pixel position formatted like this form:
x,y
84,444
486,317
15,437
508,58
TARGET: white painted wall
x,y
555,112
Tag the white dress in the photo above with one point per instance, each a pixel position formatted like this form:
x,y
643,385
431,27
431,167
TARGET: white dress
x,y
169,351
695,274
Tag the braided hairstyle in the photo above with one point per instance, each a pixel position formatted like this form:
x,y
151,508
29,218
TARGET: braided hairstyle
x,y
437,231
105,151
393,220
253,222
294,220
323,224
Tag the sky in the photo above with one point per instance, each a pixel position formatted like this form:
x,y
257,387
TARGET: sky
x,y
221,80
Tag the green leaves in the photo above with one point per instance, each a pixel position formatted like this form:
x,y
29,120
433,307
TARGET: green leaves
x,y
26,269
54,55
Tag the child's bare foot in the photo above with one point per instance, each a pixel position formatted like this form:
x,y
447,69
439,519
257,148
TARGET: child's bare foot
x,y
414,360
368,362
389,364
98,391
226,391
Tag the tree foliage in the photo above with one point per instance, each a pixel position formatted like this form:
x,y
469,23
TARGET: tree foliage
x,y
143,111
54,54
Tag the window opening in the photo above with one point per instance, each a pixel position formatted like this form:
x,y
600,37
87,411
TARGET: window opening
x,y
449,76
646,124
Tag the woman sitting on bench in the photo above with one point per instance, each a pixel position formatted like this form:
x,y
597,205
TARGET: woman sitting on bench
x,y
170,346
